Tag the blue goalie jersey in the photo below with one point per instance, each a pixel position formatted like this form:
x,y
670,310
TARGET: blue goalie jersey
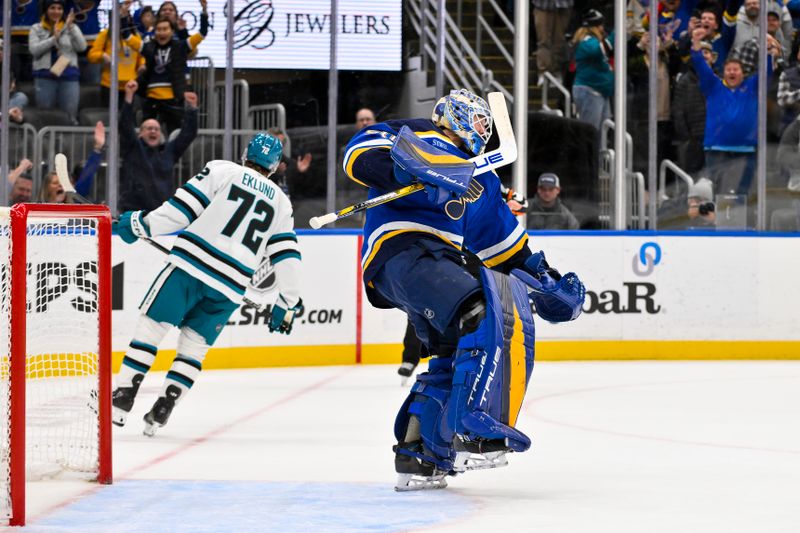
x,y
478,221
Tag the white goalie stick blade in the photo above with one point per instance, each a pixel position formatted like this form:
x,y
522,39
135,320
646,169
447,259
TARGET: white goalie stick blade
x,y
504,155
466,461
62,171
409,482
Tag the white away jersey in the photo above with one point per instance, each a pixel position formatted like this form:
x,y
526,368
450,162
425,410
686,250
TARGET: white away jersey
x,y
232,217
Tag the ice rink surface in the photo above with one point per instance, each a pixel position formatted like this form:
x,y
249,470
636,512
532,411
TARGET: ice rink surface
x,y
617,447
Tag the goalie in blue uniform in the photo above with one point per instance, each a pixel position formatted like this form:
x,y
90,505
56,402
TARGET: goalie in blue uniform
x,y
461,413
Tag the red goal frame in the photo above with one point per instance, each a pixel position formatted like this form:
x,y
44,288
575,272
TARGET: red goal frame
x,y
19,215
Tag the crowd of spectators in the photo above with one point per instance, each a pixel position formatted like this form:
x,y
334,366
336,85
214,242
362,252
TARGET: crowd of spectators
x,y
706,71
58,47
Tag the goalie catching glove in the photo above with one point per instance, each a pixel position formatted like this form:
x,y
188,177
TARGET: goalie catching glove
x,y
557,298
282,315
131,226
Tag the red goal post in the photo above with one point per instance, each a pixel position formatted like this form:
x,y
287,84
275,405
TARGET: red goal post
x,y
55,347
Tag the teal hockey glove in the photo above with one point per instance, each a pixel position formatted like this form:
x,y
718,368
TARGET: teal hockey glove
x,y
282,316
131,226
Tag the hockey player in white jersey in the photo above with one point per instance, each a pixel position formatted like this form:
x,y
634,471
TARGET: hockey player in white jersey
x,y
231,216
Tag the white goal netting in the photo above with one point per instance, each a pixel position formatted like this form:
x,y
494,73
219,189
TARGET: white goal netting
x,y
61,348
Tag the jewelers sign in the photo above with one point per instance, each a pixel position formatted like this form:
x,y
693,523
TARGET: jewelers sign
x,y
295,34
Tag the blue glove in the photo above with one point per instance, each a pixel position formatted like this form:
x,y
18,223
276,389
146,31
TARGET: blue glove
x,y
131,226
282,316
557,298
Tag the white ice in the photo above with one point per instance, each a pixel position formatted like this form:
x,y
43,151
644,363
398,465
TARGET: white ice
x,y
617,447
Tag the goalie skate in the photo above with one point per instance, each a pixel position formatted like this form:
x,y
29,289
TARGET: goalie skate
x,y
409,482
479,454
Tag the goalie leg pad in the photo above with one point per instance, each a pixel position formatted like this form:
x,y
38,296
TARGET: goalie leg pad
x,y
427,402
493,365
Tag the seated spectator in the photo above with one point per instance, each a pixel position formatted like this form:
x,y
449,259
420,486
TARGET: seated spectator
x,y
700,205
364,117
546,210
83,176
128,60
146,177
163,82
731,121
594,78
21,183
54,44
693,208
551,19
51,191
287,176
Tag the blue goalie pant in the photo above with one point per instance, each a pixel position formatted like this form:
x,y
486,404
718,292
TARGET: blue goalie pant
x,y
477,394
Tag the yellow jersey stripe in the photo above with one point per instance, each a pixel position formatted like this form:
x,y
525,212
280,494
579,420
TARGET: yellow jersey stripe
x,y
348,169
496,260
439,159
383,238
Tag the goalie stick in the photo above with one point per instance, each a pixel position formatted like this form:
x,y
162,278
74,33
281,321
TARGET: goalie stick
x,y
63,178
504,155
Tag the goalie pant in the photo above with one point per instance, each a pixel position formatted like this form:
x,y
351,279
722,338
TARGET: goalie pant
x,y
476,395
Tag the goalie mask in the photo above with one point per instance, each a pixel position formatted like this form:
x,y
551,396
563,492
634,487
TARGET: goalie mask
x,y
265,151
466,114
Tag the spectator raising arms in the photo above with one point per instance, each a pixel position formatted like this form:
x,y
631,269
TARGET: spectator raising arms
x,y
163,82
731,120
146,178
54,44
128,63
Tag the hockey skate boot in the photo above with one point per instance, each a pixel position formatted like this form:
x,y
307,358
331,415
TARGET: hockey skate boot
x,y
479,454
157,416
122,400
413,472
406,370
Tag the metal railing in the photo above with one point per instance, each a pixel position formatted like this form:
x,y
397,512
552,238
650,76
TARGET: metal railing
x,y
241,102
21,142
635,210
208,145
201,72
266,116
549,79
75,142
463,67
666,164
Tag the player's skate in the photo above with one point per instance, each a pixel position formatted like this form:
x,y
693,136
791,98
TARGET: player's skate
x,y
414,473
406,370
157,416
122,400
479,454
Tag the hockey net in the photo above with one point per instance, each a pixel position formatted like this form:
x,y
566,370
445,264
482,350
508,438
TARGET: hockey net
x,y
55,348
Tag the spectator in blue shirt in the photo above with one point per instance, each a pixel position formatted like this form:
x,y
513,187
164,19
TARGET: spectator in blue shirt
x,y
732,114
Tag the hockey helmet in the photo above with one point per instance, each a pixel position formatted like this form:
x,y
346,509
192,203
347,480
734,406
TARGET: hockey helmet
x,y
265,151
467,115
